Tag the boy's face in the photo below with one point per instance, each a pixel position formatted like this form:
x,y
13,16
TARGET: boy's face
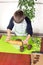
x,y
18,19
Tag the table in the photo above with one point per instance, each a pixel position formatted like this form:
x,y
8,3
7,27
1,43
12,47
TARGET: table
x,y
17,59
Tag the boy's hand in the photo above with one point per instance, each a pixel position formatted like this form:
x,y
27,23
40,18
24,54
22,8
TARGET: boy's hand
x,y
8,35
25,42
7,39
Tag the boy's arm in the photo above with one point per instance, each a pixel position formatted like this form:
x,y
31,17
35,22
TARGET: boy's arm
x,y
9,28
28,30
26,40
8,34
28,37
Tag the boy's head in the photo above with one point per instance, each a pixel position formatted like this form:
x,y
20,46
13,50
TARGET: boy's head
x,y
19,16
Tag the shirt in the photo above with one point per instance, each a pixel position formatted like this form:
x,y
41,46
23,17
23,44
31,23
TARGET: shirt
x,y
22,28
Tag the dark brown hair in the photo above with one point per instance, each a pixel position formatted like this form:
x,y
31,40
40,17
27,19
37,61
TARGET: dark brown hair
x,y
19,13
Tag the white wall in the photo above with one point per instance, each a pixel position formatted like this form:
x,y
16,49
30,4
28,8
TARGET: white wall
x,y
39,1
8,8
8,0
6,11
38,21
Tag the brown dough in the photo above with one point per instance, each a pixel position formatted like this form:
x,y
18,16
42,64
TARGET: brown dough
x,y
21,48
29,47
16,42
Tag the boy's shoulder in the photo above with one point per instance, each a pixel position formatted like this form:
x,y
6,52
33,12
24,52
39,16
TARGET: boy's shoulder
x,y
26,17
12,18
27,20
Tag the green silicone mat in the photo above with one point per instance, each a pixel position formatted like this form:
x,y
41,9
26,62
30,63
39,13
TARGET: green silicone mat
x,y
9,48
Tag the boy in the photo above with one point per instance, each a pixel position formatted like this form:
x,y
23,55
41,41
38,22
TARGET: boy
x,y
22,26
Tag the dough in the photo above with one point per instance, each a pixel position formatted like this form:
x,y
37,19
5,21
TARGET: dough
x,y
16,42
